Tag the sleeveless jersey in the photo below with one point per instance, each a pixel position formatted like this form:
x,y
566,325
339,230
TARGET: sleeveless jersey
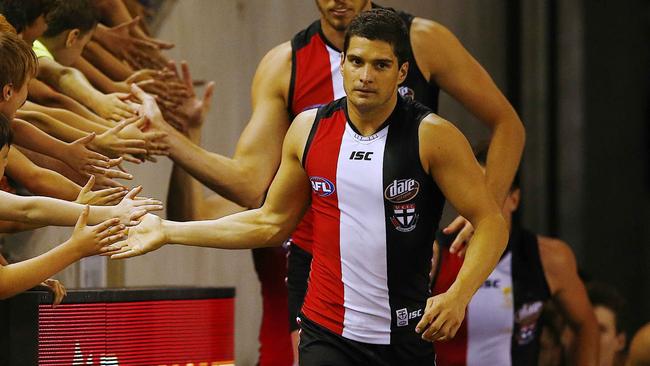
x,y
375,213
501,325
316,80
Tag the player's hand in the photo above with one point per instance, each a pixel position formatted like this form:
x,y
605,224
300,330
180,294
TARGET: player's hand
x,y
442,317
91,240
132,208
146,237
465,232
57,288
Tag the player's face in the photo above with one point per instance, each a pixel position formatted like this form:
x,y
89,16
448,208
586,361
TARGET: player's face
x,y
4,153
339,13
610,341
371,73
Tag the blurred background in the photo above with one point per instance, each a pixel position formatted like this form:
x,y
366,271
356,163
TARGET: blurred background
x,y
577,71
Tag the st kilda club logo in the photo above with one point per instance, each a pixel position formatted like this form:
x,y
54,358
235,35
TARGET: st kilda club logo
x,y
405,217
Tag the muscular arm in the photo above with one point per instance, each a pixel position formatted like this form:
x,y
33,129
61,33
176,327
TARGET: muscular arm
x,y
246,176
268,225
448,158
569,293
461,76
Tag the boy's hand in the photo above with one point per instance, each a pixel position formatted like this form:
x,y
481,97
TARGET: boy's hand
x,y
92,240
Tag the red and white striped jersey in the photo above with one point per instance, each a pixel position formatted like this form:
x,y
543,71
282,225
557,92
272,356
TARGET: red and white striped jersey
x,y
501,325
316,80
375,211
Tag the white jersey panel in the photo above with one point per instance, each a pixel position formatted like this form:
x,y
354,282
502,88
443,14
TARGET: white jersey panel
x,y
489,328
337,78
359,182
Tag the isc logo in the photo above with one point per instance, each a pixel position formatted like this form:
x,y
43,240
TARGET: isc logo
x,y
361,155
322,186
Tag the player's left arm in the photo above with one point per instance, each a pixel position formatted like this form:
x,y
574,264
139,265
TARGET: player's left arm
x,y
443,59
568,291
446,155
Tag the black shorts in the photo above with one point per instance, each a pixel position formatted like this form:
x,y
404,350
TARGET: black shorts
x,y
320,347
299,265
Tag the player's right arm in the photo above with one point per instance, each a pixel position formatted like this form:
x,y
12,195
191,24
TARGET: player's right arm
x,y
448,158
245,178
268,225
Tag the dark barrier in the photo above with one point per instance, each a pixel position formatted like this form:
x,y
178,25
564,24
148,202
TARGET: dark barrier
x,y
177,326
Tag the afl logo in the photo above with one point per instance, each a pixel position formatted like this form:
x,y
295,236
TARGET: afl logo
x,y
402,190
322,186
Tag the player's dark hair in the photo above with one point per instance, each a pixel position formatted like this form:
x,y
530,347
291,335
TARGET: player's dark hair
x,y
381,25
71,14
6,133
22,13
601,294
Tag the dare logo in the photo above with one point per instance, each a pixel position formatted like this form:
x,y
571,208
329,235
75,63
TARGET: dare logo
x,y
322,186
402,190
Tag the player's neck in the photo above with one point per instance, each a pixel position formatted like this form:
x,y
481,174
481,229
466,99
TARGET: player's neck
x,y
334,37
368,120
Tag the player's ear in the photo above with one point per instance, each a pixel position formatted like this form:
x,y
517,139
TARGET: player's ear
x,y
403,71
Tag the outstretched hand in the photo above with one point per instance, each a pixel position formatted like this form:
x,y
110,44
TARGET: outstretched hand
x,y
132,208
91,240
127,44
143,238
111,144
82,159
103,197
113,107
193,110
